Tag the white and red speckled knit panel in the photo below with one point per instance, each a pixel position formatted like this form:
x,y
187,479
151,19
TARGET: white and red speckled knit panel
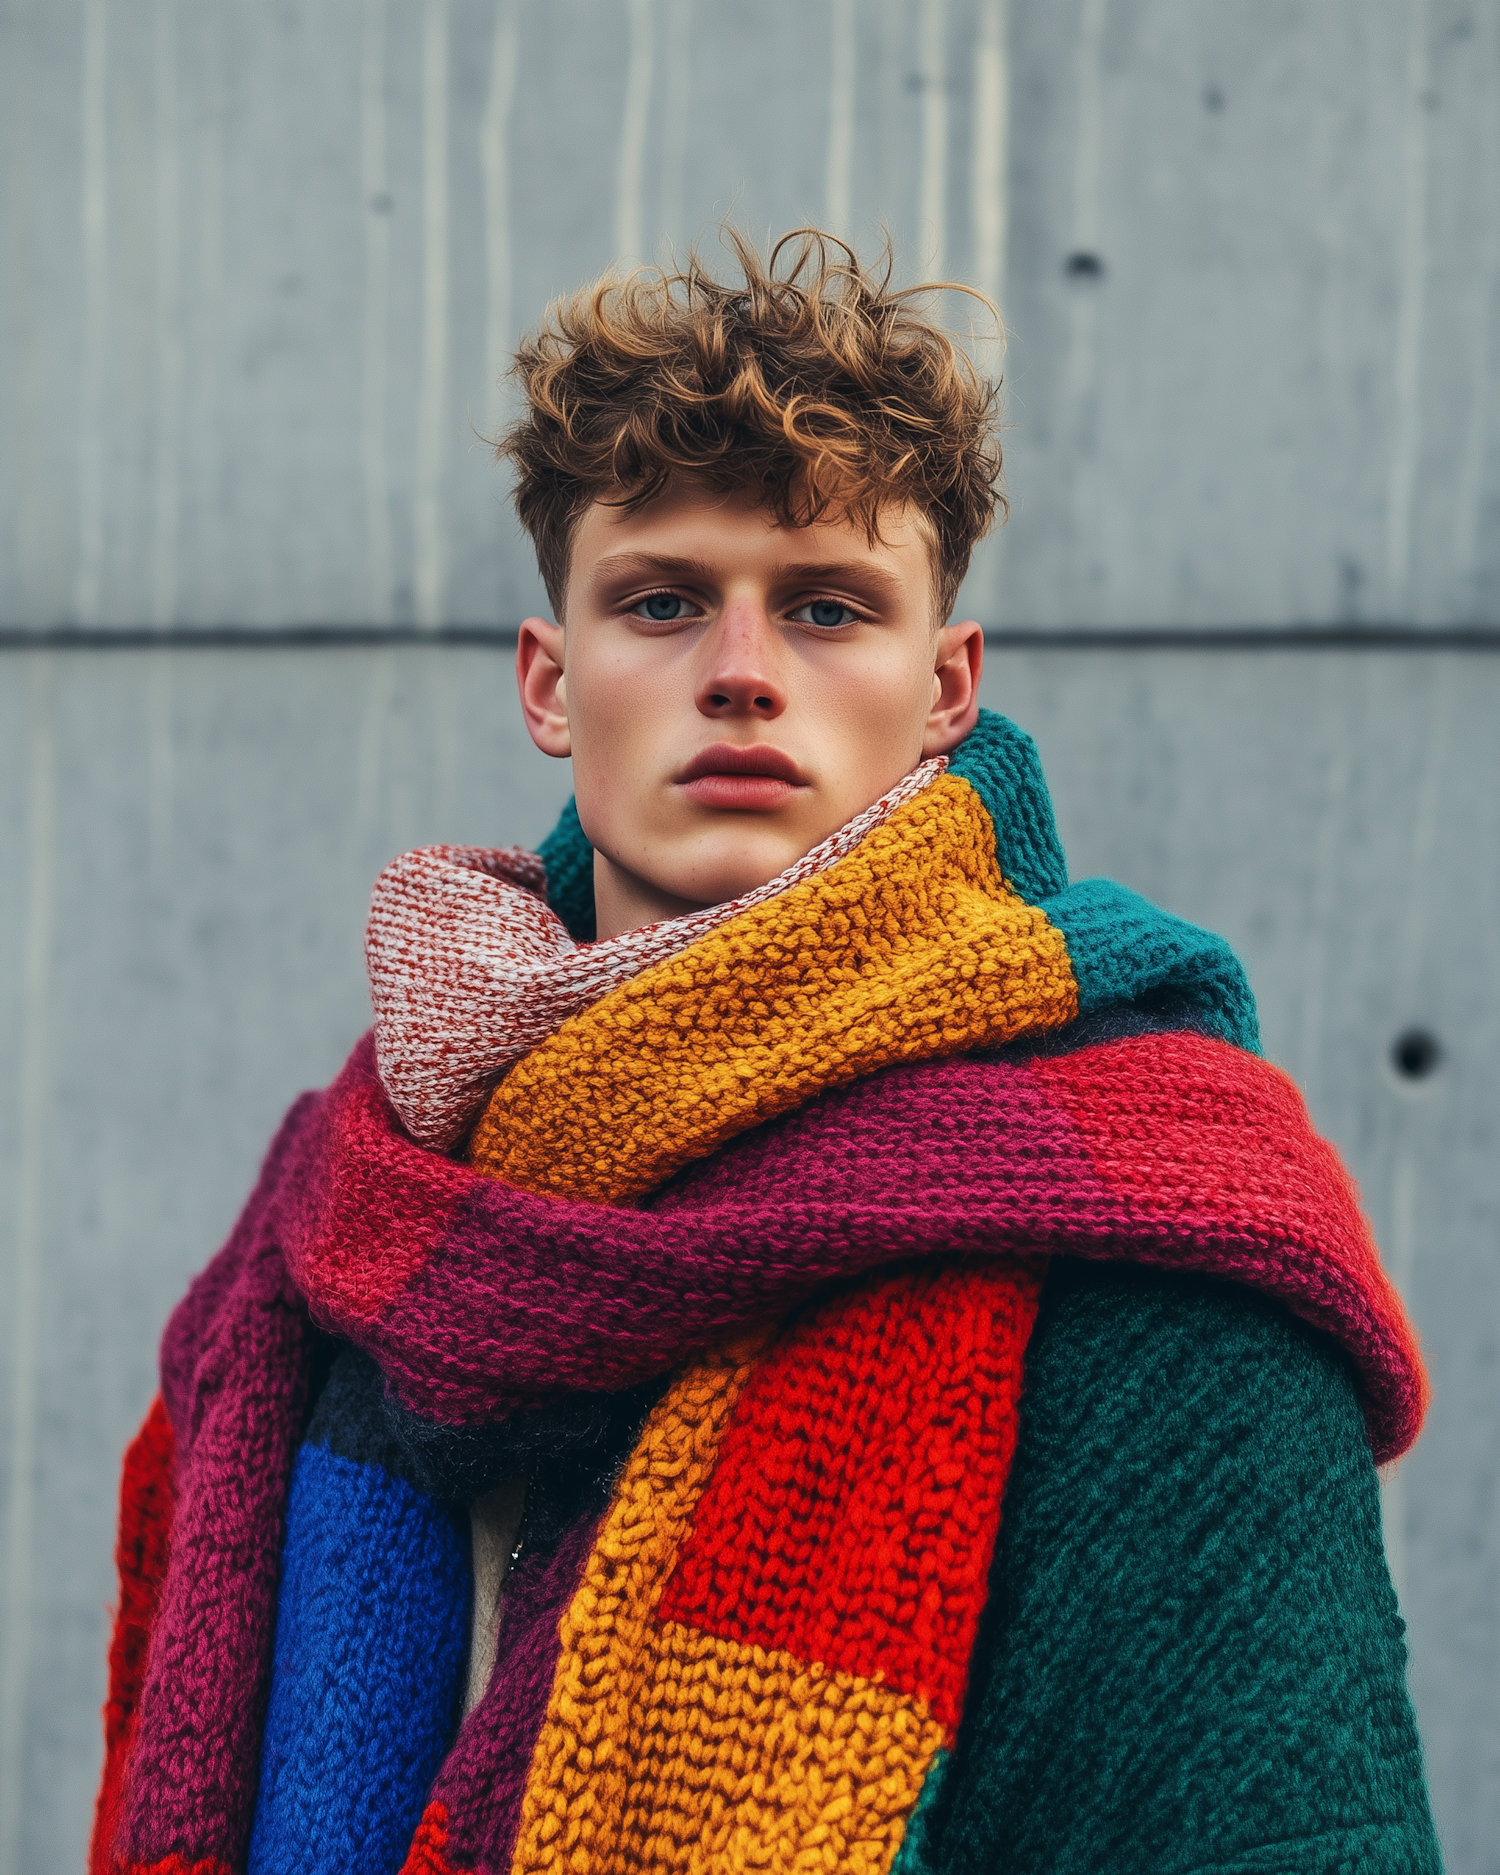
x,y
469,968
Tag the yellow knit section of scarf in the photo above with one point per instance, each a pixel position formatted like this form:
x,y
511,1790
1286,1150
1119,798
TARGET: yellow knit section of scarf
x,y
910,948
668,1749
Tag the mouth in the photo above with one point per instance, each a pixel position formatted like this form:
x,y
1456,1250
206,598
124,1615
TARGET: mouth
x,y
752,779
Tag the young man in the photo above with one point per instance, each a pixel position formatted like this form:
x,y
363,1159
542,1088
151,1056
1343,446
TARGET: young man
x,y
804,1340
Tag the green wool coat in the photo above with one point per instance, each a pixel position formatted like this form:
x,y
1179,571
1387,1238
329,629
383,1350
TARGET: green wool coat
x,y
1192,1658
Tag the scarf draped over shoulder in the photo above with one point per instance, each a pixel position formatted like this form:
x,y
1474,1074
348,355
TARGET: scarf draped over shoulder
x,y
794,1166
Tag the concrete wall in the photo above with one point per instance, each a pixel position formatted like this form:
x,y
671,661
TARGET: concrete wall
x,y
259,267
263,264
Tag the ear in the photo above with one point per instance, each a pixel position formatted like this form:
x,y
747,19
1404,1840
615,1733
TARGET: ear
x,y
539,678
955,688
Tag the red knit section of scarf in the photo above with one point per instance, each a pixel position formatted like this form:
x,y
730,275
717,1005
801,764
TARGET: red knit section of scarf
x,y
851,1517
428,1854
147,1502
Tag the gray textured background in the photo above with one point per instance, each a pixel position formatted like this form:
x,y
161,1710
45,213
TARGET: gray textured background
x,y
263,265
260,265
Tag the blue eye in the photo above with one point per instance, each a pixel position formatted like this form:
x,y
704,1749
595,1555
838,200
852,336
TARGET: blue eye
x,y
825,612
662,606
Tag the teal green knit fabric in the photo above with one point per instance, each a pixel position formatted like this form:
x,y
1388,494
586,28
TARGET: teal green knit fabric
x,y
1192,1658
1000,763
569,860
1123,949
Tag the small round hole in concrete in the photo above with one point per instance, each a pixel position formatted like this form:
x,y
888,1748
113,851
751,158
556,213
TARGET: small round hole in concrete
x,y
1084,266
1415,1054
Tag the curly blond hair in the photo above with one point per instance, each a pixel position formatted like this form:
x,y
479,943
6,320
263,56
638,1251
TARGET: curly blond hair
x,y
809,380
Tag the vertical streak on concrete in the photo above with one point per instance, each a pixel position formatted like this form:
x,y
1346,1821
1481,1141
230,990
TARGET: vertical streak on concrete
x,y
1343,726
494,164
989,192
933,238
376,209
380,690
443,735
161,776
432,417
630,165
678,83
991,178
1413,962
1479,417
1406,365
168,319
1401,1251
1403,1228
1080,373
886,101
1410,1150
838,179
206,441
400,753
26,591
94,229
1088,154
26,1282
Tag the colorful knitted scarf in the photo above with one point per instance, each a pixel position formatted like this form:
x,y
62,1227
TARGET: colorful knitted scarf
x,y
739,1268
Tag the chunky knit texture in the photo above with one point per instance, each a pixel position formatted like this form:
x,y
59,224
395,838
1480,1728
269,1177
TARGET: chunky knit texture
x,y
760,1654
911,947
1122,947
793,1680
1192,1658
869,1552
470,968
369,1646
235,1371
146,1509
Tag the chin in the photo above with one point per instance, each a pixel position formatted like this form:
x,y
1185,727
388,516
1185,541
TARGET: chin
x,y
735,863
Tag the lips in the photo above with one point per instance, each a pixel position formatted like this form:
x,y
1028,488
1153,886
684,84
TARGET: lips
x,y
754,779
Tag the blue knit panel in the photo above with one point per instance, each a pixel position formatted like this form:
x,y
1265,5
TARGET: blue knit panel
x,y
1000,763
1123,949
569,860
371,1638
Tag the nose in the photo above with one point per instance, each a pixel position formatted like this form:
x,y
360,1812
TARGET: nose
x,y
741,668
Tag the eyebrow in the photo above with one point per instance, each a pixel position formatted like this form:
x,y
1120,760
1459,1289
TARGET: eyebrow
x,y
650,565
672,566
838,572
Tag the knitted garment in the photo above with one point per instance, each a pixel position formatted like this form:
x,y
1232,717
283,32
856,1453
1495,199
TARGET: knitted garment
x,y
810,1165
470,967
1191,1658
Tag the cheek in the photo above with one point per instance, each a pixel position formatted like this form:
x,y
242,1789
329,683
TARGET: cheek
x,y
881,708
621,727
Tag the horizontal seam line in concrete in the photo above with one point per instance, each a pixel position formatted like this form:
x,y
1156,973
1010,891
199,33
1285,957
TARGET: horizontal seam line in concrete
x,y
1375,637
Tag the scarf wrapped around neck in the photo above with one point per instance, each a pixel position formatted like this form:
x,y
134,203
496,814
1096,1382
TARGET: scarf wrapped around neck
x,y
738,1267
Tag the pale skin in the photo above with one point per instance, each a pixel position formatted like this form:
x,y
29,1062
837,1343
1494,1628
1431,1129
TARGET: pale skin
x,y
731,692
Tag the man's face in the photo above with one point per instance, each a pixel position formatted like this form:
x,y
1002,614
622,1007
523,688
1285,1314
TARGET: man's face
x,y
731,691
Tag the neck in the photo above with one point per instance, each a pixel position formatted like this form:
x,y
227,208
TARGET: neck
x,y
624,901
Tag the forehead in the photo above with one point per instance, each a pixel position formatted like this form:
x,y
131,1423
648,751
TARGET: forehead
x,y
729,534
